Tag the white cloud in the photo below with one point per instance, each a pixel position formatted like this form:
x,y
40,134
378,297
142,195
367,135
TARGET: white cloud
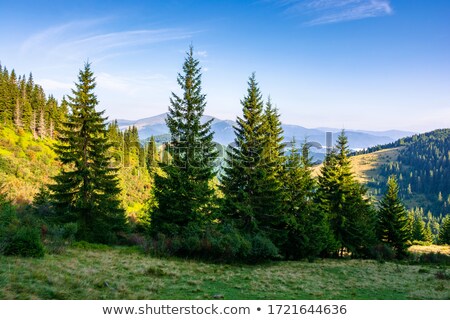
x,y
82,39
317,12
50,85
202,54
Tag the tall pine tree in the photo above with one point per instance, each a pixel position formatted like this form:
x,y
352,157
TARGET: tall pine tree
x,y
344,202
244,166
251,182
86,190
392,225
183,190
308,230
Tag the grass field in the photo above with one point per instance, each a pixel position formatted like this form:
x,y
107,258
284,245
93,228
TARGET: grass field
x,y
125,273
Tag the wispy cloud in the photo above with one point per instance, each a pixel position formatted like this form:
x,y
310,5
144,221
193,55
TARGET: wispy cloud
x,y
202,54
82,39
317,12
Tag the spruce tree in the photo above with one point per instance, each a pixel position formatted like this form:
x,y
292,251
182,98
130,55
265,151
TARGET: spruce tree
x,y
444,231
393,219
308,231
182,191
86,190
343,200
244,166
152,158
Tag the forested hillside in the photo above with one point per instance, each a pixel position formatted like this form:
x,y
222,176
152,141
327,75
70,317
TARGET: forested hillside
x,y
67,173
29,124
422,165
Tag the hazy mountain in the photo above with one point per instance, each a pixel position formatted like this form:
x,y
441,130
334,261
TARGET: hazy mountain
x,y
224,132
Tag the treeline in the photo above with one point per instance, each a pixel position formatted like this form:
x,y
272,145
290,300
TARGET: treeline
x,y
422,169
25,105
265,205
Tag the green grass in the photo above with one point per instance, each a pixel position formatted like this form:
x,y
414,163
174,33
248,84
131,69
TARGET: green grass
x,y
124,273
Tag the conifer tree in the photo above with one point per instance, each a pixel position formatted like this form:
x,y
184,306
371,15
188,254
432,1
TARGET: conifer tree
x,y
86,190
393,219
444,231
152,158
244,168
343,200
182,192
308,231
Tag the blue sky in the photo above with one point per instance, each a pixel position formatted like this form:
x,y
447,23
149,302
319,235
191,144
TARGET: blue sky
x,y
354,64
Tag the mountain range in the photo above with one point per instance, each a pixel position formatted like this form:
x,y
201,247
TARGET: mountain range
x,y
224,132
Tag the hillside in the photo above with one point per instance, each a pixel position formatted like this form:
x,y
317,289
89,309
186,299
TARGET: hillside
x,y
421,164
26,164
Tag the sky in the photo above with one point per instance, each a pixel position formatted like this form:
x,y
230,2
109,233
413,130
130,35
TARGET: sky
x,y
353,64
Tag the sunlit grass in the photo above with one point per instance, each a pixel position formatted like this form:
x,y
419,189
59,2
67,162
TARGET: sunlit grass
x,y
443,249
122,273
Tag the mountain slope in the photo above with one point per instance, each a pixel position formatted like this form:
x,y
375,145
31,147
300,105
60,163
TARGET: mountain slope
x,y
421,164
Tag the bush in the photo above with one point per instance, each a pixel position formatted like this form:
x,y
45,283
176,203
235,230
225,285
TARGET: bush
x,y
59,237
382,252
262,249
215,243
24,241
18,236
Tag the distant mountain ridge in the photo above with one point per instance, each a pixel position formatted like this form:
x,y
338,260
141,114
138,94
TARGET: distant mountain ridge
x,y
224,132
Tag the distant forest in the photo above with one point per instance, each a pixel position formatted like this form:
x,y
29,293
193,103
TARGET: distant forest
x,y
422,169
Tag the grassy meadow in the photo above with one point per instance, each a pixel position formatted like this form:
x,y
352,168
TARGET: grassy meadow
x,y
126,273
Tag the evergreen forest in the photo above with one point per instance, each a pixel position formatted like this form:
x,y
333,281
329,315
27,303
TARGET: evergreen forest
x,y
69,175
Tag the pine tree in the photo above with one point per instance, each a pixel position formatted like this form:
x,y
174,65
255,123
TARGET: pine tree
x,y
152,158
182,192
86,190
243,171
393,219
271,214
444,231
307,227
420,232
343,201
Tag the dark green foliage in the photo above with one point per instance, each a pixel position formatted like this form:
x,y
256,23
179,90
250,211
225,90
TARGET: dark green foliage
x,y
250,183
59,237
19,237
219,243
420,233
308,229
86,190
444,233
392,224
23,241
182,190
343,201
422,170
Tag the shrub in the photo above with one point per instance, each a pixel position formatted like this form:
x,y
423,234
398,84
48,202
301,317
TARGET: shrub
x,y
24,241
59,237
215,243
262,249
382,252
18,236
